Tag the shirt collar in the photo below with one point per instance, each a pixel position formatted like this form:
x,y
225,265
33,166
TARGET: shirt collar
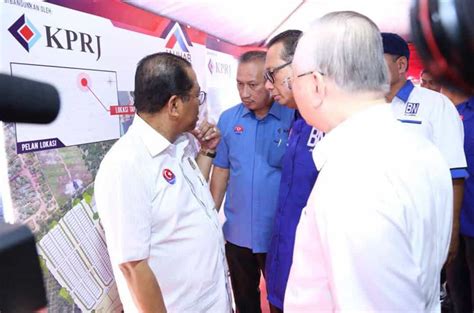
x,y
152,139
343,134
298,115
275,110
405,91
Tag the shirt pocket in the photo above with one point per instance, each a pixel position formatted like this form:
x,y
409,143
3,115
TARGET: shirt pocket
x,y
277,147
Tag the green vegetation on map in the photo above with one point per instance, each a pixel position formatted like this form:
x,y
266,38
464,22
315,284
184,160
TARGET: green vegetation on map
x,y
87,197
63,293
42,263
52,224
76,202
93,154
95,216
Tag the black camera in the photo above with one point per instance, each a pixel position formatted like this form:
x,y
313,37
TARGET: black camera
x,y
443,33
21,280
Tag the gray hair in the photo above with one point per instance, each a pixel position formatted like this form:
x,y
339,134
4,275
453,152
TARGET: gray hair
x,y
346,47
253,56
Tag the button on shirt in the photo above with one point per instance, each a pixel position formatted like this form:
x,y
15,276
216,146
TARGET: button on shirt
x,y
252,150
155,205
434,116
375,232
297,179
466,110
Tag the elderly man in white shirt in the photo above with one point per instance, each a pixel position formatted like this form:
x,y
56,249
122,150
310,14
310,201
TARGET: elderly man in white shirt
x,y
163,236
375,232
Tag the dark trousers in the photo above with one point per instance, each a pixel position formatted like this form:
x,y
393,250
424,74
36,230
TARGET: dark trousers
x,y
245,268
460,277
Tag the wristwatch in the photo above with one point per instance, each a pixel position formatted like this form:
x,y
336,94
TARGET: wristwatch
x,y
208,153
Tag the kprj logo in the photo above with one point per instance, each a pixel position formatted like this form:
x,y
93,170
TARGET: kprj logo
x,y
25,32
177,41
210,66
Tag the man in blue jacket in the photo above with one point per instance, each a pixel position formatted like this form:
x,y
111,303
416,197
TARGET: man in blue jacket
x,y
460,272
298,170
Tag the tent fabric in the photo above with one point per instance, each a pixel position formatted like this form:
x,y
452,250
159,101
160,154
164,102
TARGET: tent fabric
x,y
254,22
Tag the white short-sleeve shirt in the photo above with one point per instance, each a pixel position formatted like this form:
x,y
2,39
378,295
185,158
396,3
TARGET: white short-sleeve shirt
x,y
435,117
376,229
154,204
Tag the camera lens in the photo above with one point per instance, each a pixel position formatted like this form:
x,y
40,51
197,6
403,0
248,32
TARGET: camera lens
x,y
443,33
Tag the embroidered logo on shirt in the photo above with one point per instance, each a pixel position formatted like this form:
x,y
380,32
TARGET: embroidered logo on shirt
x,y
411,108
169,176
238,129
314,137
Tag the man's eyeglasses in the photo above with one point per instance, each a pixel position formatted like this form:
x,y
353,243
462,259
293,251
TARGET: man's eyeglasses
x,y
201,97
304,74
308,73
270,74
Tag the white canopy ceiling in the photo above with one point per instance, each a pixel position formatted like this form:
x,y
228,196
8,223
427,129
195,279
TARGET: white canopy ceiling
x,y
247,22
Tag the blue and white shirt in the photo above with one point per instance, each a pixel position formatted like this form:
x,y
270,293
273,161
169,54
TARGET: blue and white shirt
x,y
252,150
435,117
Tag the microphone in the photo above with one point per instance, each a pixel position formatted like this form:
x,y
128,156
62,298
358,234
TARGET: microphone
x,y
21,280
27,101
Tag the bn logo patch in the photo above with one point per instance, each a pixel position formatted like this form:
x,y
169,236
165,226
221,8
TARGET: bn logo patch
x,y
411,108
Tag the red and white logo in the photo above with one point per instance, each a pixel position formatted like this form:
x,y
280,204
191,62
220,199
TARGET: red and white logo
x,y
169,176
238,129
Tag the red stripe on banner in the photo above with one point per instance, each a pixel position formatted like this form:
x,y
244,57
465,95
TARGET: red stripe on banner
x,y
122,110
126,16
196,36
415,64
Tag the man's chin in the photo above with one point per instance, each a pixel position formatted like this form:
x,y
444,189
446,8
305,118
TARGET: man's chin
x,y
192,127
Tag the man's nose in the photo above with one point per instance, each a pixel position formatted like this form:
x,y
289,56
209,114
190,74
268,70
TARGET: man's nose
x,y
246,92
268,85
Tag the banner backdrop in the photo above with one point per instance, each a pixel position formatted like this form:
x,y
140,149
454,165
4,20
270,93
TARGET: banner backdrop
x,y
89,52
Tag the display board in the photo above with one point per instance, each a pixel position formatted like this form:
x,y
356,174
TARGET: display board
x,y
89,52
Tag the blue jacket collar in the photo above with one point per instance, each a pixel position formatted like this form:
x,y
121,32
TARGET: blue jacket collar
x,y
470,103
405,91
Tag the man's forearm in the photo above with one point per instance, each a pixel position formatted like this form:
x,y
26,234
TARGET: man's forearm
x,y
143,286
219,181
458,193
204,163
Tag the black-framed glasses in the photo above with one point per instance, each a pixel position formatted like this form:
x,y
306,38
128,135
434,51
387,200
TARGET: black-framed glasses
x,y
304,74
308,73
202,97
270,74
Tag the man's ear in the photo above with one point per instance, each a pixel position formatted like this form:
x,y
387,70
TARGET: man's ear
x,y
173,106
320,84
402,63
318,91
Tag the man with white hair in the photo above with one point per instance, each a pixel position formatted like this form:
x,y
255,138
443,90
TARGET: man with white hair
x,y
375,232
